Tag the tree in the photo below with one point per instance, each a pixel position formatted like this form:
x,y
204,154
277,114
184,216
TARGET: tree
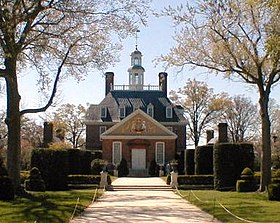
x,y
242,119
201,106
3,130
57,39
239,39
70,118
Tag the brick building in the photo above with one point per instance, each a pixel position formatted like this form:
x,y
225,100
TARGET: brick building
x,y
136,122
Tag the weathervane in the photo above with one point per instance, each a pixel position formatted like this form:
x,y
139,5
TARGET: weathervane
x,y
136,38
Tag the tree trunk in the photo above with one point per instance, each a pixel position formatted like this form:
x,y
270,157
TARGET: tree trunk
x,y
13,122
266,143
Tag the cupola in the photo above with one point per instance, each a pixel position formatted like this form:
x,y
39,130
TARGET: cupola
x,y
136,71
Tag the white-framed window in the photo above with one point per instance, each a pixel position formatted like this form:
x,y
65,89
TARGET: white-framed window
x,y
150,110
116,153
122,112
168,112
103,112
160,153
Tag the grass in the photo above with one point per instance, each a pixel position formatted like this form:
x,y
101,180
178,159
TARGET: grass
x,y
45,207
253,206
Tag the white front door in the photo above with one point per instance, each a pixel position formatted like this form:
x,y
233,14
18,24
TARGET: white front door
x,y
138,159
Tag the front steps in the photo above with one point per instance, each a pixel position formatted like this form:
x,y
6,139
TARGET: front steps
x,y
140,188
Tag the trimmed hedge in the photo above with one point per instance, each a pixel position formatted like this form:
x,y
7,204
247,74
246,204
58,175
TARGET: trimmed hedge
x,y
204,159
229,161
154,169
7,191
190,161
123,170
195,180
34,181
274,192
86,179
79,161
97,165
53,165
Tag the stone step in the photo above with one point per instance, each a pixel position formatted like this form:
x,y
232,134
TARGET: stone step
x,y
140,187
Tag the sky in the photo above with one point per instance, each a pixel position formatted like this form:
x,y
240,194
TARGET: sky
x,y
153,40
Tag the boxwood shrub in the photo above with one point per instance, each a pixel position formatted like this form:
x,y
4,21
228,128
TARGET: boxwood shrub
x,y
204,159
53,165
195,180
7,191
274,192
229,161
34,181
86,179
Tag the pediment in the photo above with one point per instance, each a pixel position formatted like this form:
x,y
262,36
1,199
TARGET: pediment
x,y
138,125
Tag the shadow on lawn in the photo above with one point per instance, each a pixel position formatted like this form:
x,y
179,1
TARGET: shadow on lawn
x,y
40,207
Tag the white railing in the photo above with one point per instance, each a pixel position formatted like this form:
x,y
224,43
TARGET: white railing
x,y
136,87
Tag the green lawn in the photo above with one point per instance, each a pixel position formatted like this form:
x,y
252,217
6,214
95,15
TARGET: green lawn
x,y
250,206
45,207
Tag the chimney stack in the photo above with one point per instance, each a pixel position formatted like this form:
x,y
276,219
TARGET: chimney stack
x,y
163,82
223,136
209,135
48,134
109,82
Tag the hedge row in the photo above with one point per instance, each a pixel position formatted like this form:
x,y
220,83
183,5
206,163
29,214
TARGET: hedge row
x,y
204,159
190,161
55,165
195,180
79,161
229,161
86,179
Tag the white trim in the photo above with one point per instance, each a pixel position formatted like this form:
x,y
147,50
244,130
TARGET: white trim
x,y
150,106
169,108
136,137
113,151
100,122
163,153
172,135
105,112
124,112
174,123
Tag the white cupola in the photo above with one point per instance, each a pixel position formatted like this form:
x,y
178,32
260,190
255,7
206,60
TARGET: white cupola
x,y
136,71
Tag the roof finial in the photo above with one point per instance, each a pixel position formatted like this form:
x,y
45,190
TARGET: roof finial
x,y
136,38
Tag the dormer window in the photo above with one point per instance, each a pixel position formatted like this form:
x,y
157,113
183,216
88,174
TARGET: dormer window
x,y
150,110
103,112
168,112
122,112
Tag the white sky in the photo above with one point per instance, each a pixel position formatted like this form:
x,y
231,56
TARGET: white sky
x,y
154,40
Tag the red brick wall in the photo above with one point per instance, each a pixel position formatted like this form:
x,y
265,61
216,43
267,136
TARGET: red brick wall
x,y
170,150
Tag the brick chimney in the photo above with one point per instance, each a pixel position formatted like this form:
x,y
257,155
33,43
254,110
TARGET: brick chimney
x,y
209,135
48,134
163,82
223,134
109,82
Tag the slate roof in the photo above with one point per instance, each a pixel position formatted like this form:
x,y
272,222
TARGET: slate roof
x,y
132,100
